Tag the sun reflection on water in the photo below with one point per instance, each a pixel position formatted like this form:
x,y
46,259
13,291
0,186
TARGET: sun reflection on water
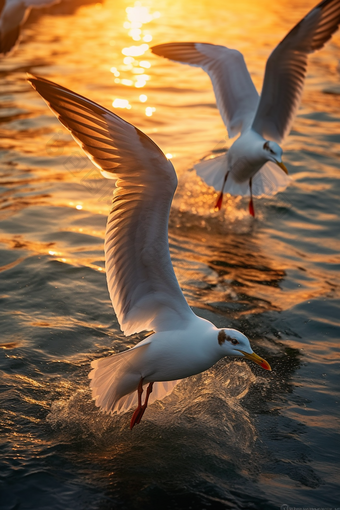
x,y
121,103
131,72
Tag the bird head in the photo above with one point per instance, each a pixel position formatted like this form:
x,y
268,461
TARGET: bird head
x,y
234,343
273,152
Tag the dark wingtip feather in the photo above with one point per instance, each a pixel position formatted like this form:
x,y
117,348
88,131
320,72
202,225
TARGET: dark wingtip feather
x,y
31,79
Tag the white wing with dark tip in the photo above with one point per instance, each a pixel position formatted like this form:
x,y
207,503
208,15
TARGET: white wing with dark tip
x,y
142,284
235,93
286,70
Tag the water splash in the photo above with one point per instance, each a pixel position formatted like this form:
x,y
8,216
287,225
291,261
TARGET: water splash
x,y
207,404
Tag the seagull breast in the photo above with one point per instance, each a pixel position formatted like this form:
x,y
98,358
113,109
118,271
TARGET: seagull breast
x,y
245,156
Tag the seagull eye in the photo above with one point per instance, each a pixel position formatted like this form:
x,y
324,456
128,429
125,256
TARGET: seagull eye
x,y
222,337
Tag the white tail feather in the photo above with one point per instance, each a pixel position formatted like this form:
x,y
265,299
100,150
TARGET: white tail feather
x,y
267,182
115,379
212,171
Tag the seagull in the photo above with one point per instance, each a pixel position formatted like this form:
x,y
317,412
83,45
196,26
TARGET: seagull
x,y
13,14
144,291
253,165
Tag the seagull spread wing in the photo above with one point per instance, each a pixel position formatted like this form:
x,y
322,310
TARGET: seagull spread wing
x,y
2,5
142,284
286,70
235,93
13,15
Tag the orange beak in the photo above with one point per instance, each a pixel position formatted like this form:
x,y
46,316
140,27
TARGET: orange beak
x,y
259,361
282,166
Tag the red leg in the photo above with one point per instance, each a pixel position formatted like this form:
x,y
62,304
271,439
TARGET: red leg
x,y
138,414
219,201
251,203
137,411
145,405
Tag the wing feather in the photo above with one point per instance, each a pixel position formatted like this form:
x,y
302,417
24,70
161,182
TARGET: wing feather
x,y
141,281
286,70
235,93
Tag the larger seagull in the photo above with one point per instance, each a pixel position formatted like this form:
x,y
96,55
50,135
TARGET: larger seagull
x,y
251,166
142,284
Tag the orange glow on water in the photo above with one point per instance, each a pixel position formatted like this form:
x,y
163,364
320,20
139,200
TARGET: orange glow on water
x,y
175,106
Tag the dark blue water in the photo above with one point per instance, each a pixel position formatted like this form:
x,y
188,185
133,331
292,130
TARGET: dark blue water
x,y
234,436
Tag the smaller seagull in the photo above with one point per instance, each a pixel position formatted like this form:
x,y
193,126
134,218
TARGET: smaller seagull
x,y
13,14
142,284
250,167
